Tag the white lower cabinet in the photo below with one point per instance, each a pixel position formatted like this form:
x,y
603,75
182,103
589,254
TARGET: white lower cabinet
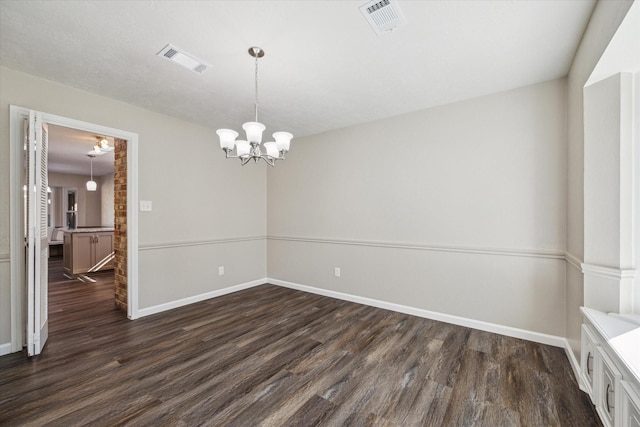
x,y
607,382
630,405
606,375
588,360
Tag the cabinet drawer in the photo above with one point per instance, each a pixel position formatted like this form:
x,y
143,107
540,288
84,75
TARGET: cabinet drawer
x,y
607,392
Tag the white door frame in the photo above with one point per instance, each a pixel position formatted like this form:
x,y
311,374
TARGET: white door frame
x,y
17,115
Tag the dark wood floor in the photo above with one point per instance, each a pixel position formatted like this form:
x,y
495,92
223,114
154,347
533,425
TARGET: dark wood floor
x,y
278,357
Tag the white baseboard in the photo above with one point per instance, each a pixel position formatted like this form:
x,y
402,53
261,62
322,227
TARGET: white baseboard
x,y
575,364
448,318
538,337
5,348
509,331
197,298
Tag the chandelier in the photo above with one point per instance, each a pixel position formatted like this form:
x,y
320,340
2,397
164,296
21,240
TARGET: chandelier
x,y
249,149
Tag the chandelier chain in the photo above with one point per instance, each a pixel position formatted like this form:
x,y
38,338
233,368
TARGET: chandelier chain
x,y
256,96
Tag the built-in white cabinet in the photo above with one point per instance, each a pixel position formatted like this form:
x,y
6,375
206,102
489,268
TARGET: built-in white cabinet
x,y
609,362
588,360
630,405
607,384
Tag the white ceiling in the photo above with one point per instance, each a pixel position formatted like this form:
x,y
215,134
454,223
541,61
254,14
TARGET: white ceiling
x,y
68,150
324,67
623,51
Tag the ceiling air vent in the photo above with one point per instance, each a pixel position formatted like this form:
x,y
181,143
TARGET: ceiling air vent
x,y
383,15
172,53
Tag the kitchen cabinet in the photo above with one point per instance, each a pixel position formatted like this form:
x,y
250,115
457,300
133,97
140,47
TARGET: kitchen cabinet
x,y
87,251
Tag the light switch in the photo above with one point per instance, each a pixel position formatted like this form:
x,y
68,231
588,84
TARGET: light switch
x,y
145,206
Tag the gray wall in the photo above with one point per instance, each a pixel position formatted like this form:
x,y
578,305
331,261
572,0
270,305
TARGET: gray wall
x,y
201,201
89,202
604,22
458,209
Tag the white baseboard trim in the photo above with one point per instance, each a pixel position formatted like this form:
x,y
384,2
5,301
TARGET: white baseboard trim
x,y
5,348
197,298
538,337
575,365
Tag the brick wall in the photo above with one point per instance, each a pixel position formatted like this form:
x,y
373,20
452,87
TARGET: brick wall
x,y
120,223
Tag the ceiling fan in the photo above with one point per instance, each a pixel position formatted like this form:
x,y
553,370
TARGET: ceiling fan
x,y
102,146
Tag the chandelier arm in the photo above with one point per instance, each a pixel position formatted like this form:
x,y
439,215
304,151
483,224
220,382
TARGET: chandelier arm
x,y
270,162
228,156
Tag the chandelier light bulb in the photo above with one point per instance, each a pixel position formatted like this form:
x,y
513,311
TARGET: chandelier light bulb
x,y
254,131
272,149
243,148
283,140
227,138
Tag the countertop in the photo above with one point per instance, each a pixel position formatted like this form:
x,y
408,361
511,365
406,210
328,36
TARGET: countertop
x,y
89,230
622,335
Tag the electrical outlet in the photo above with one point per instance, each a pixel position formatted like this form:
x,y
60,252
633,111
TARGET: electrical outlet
x,y
146,206
221,270
336,271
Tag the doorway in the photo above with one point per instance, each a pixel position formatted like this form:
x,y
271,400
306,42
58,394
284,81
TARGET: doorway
x,y
81,180
20,275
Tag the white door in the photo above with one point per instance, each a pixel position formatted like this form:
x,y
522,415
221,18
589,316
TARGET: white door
x,y
37,242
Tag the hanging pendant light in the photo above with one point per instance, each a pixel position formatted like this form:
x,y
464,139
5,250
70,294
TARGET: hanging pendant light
x,y
250,148
91,185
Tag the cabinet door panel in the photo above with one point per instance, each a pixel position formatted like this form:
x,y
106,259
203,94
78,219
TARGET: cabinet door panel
x,y
630,406
607,396
587,360
104,251
66,253
82,252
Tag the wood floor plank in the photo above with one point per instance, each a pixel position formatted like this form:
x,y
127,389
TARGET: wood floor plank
x,y
278,357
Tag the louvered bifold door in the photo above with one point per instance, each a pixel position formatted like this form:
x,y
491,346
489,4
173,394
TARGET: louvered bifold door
x,y
38,248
